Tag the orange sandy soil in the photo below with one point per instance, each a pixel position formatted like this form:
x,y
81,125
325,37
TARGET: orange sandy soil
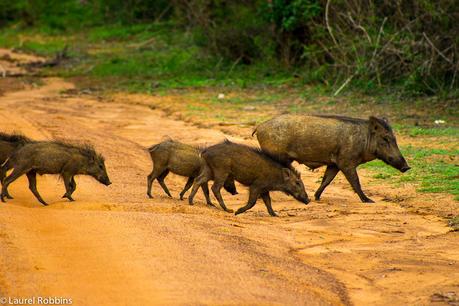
x,y
113,246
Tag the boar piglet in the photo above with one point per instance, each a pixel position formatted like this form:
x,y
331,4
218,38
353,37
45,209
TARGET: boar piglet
x,y
54,157
181,159
250,167
8,144
338,142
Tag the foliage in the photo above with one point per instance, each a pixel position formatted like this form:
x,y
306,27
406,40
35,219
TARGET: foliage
x,y
367,44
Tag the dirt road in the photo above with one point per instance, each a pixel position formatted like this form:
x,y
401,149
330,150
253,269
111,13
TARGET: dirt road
x,y
116,247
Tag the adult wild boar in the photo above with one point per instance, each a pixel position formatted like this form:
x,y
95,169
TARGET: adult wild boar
x,y
181,159
54,157
250,167
8,144
338,142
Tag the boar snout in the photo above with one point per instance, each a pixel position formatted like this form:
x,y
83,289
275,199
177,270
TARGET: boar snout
x,y
104,180
303,199
403,166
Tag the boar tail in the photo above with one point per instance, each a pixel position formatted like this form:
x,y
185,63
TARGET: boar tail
x,y
254,132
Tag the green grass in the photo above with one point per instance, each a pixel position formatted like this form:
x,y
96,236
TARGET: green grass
x,y
454,223
436,131
432,170
141,54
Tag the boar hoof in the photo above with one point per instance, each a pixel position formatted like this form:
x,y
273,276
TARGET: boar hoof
x,y
230,210
368,200
150,196
69,197
9,197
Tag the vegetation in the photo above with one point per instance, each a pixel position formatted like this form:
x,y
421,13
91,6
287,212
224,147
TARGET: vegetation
x,y
433,170
454,223
366,44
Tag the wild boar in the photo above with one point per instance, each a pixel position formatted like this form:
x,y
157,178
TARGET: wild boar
x,y
250,167
182,159
338,142
54,157
8,144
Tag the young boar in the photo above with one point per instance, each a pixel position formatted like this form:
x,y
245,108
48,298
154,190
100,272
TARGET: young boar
x,y
182,159
338,142
250,167
54,157
8,144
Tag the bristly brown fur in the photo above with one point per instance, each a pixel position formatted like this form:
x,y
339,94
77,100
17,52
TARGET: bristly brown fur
x,y
85,149
262,154
154,147
384,123
344,118
15,137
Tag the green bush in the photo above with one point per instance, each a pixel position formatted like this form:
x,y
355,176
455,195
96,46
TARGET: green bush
x,y
369,44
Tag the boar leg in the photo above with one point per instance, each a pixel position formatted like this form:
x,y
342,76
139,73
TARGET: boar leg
x,y
219,181
32,177
267,199
8,196
68,186
162,184
157,171
205,190
3,171
17,172
353,179
330,173
202,179
2,174
253,196
72,187
188,185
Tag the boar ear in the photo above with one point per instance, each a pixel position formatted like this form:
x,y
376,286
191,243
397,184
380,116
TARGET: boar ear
x,y
286,174
375,124
379,124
